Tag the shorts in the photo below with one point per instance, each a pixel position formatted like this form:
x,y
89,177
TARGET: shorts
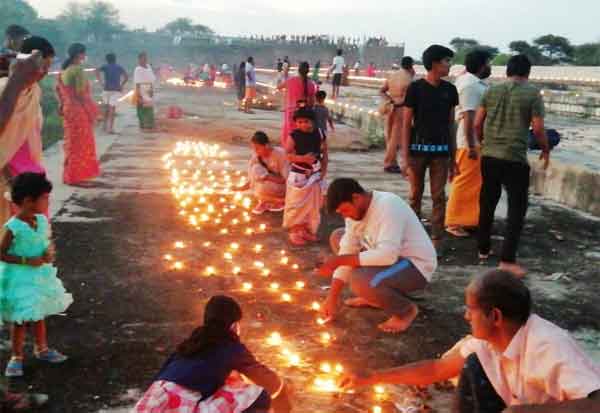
x,y
250,92
337,79
110,97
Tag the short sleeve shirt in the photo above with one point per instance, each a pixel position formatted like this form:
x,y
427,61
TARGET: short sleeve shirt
x,y
510,108
338,65
250,75
112,77
542,364
321,117
432,106
470,93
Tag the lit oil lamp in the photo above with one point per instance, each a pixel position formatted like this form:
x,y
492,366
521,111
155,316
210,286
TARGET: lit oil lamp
x,y
206,244
274,339
259,264
168,257
262,227
325,338
295,266
300,285
234,246
286,297
249,231
247,286
236,270
274,286
179,244
228,256
178,265
265,272
315,306
258,248
284,260
210,270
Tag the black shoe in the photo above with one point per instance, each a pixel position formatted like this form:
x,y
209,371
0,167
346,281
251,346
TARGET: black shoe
x,y
395,169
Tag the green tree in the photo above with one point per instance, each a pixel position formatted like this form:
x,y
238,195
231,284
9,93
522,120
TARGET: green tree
x,y
460,43
587,54
73,21
556,48
16,12
185,27
531,51
102,20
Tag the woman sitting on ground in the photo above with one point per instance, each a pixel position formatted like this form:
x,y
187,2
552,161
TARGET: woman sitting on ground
x,y
267,173
203,375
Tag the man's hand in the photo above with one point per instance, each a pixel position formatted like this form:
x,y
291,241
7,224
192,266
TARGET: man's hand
x,y
545,156
473,153
453,170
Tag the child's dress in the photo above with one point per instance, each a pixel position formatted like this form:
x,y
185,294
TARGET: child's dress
x,y
30,293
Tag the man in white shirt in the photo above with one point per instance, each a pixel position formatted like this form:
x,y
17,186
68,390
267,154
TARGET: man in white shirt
x,y
383,252
250,85
462,210
337,68
515,362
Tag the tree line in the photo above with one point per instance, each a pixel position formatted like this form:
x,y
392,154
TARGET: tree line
x,y
544,50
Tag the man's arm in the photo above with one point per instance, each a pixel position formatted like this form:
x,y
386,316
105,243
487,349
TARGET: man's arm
x,y
421,373
407,124
469,130
97,73
480,116
452,146
383,92
539,131
587,405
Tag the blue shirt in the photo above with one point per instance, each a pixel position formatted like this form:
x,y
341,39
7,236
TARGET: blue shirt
x,y
112,77
207,373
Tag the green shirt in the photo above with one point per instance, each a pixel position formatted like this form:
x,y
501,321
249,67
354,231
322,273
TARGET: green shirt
x,y
510,108
74,76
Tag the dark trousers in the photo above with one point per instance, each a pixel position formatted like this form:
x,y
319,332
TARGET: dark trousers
x,y
475,393
514,177
280,404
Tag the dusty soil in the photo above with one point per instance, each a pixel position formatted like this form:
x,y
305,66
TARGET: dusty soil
x,y
131,307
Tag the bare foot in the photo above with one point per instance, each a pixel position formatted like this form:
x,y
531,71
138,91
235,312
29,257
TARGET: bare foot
x,y
514,268
399,324
359,302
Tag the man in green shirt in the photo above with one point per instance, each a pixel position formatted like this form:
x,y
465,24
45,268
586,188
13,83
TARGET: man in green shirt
x,y
502,125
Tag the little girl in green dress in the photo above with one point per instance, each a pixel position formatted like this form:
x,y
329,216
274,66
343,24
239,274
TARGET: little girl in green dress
x,y
29,288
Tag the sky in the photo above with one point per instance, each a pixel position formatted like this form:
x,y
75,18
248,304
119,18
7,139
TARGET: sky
x,y
415,23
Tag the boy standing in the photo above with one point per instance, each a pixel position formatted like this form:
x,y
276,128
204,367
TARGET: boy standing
x,y
429,105
115,78
322,115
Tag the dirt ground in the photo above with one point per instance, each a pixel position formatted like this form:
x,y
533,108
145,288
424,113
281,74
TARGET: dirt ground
x,y
131,307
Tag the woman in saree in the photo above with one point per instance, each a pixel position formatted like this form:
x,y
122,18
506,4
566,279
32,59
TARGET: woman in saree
x,y
298,88
79,113
21,139
144,80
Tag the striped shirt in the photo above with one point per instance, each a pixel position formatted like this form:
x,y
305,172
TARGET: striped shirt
x,y
510,107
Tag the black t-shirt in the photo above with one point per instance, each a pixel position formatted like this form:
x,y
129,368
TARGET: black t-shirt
x,y
432,106
307,142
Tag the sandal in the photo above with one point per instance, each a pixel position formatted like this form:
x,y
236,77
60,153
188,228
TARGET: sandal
x,y
51,356
14,368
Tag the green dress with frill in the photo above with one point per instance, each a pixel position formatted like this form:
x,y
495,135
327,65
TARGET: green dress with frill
x,y
30,293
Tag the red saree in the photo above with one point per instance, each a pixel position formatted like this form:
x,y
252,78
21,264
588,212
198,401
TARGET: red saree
x,y
79,115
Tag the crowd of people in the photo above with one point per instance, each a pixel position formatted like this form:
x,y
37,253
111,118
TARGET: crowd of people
x,y
349,42
514,360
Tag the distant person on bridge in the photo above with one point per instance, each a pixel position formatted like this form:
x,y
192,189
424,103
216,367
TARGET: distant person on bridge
x,y
393,92
250,85
239,77
144,79
115,78
297,88
337,68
